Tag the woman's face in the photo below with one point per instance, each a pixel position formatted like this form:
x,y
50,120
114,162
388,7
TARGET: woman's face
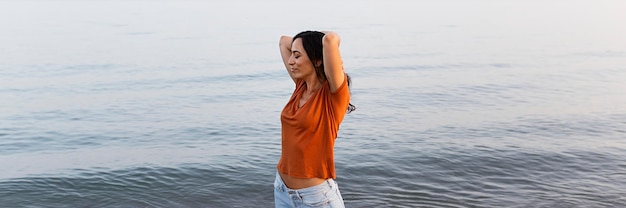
x,y
300,65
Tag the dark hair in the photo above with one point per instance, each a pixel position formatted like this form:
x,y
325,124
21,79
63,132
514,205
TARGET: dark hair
x,y
312,43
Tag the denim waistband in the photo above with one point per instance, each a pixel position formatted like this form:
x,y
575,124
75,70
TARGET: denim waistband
x,y
280,186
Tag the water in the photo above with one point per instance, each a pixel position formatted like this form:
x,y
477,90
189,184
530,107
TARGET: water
x,y
176,103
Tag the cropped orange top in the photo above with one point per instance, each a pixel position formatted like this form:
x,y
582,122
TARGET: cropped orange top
x,y
309,132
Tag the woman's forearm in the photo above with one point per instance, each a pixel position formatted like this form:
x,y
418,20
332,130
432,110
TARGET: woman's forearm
x,y
285,51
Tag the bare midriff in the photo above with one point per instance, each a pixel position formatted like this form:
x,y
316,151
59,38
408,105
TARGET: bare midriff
x,y
300,183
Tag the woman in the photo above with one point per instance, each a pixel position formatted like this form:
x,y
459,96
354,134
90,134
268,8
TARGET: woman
x,y
310,121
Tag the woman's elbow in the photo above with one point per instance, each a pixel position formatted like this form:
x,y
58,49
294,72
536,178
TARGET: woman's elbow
x,y
331,38
285,40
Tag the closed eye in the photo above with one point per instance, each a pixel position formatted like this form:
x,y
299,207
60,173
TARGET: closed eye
x,y
295,54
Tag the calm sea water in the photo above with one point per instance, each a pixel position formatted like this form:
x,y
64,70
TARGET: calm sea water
x,y
176,103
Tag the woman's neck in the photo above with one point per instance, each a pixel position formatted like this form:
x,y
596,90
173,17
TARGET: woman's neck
x,y
312,85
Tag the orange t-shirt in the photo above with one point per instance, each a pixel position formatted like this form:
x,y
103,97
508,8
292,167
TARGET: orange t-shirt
x,y
309,132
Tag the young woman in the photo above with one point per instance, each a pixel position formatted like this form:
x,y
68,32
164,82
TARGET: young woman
x,y
310,121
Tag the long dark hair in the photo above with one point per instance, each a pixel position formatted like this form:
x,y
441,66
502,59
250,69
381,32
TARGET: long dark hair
x,y
312,43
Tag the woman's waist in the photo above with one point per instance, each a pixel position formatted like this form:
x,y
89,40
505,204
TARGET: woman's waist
x,y
300,183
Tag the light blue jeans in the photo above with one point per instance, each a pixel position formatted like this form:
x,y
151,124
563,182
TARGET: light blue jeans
x,y
323,195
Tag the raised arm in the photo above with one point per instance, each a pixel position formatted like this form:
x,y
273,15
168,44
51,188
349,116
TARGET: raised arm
x,y
285,52
333,65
